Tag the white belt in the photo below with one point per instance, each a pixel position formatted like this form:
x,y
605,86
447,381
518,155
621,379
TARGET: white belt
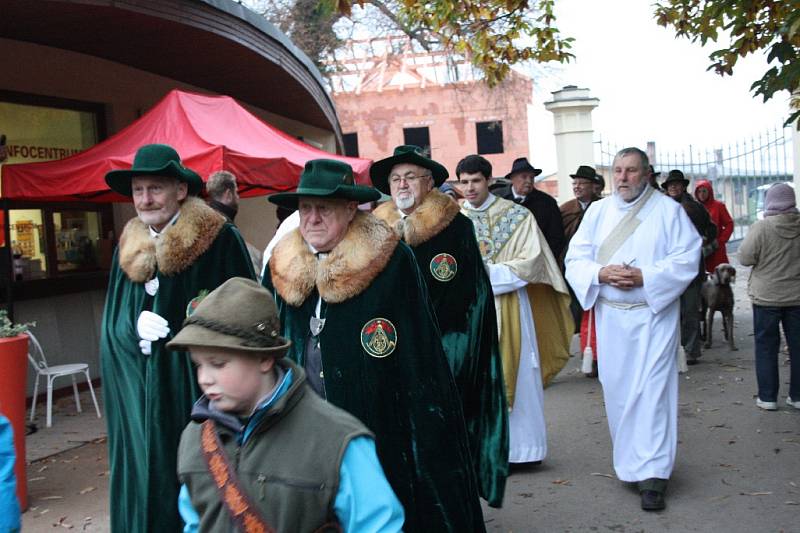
x,y
625,306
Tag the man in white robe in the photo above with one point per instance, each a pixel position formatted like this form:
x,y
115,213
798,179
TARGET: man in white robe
x,y
527,285
633,255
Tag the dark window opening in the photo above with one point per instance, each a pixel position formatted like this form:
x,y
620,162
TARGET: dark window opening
x,y
490,137
420,137
350,141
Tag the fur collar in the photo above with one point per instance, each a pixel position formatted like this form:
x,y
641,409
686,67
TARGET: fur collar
x,y
177,247
435,213
346,272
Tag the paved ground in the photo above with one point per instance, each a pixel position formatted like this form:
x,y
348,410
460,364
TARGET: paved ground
x,y
70,429
738,468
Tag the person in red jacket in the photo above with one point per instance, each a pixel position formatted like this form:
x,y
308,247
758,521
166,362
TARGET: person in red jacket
x,y
704,193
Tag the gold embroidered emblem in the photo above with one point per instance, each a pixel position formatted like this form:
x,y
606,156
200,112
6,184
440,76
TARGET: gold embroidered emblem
x,y
443,267
378,337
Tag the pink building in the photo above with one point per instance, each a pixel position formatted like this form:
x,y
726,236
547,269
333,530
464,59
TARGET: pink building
x,y
388,98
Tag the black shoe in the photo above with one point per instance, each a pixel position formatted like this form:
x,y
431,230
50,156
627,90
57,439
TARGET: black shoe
x,y
691,360
652,500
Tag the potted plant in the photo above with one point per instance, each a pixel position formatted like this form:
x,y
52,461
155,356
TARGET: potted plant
x,y
13,381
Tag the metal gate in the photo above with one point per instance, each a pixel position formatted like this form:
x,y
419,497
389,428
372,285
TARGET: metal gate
x,y
741,172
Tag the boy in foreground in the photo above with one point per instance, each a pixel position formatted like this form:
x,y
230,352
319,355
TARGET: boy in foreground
x,y
263,452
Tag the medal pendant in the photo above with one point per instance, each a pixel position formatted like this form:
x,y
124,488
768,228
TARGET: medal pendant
x,y
316,325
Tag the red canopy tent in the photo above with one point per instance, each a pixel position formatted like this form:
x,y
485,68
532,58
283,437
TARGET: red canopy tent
x,y
209,132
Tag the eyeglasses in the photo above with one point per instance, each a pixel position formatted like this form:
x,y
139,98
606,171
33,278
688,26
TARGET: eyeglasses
x,y
395,179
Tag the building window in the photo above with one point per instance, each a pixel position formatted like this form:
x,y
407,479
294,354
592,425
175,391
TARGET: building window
x,y
350,141
50,242
419,137
490,137
35,133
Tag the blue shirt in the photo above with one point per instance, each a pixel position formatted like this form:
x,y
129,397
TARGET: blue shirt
x,y
365,502
9,506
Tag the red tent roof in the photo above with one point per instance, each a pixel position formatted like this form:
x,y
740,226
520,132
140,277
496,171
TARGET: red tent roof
x,y
209,132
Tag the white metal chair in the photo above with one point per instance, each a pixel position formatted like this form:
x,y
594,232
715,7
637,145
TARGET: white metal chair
x,y
39,362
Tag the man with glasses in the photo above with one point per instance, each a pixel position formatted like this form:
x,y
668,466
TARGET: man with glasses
x,y
352,301
443,241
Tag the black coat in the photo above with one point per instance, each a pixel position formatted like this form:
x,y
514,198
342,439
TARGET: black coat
x,y
548,217
704,226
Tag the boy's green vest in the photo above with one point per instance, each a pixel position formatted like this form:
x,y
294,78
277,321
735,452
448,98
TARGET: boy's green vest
x,y
289,466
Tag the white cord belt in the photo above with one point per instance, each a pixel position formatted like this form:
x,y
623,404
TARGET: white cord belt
x,y
625,306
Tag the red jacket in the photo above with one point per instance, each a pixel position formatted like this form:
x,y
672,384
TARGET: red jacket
x,y
722,219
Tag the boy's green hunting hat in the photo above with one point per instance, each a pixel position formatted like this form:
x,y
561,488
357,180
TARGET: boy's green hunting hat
x,y
238,315
326,178
155,160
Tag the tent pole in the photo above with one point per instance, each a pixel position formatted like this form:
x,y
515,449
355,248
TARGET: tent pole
x,y
9,274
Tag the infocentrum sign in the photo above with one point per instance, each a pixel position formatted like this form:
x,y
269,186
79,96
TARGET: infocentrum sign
x,y
36,133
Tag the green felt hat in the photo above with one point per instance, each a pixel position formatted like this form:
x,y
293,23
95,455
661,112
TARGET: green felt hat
x,y
406,153
586,172
326,178
154,160
238,315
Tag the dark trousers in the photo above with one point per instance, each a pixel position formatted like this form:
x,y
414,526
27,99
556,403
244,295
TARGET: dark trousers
x,y
690,320
766,321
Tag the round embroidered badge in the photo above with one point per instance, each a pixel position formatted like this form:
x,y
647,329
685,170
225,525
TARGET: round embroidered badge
x,y
378,337
444,267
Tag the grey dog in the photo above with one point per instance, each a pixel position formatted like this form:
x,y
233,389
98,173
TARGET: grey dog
x,y
717,295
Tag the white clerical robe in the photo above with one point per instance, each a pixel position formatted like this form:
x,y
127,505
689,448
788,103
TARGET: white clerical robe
x,y
638,329
516,255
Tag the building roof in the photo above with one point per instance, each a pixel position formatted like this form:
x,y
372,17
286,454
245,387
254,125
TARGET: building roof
x,y
217,45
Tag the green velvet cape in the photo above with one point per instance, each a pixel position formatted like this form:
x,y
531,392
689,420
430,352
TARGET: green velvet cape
x,y
407,397
148,399
465,310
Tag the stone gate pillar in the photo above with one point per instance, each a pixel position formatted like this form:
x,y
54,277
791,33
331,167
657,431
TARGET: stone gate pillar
x,y
572,119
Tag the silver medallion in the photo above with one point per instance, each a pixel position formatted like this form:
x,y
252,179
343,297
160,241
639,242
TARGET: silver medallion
x,y
316,325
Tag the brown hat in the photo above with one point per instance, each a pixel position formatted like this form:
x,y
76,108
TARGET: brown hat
x,y
238,315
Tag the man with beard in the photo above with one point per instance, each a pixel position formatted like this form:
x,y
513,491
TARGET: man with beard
x,y
176,250
633,255
443,241
354,304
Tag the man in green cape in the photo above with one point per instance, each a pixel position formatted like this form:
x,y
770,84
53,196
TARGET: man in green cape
x,y
172,253
354,304
443,241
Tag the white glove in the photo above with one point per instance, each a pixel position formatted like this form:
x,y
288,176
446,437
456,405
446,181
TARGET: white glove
x,y
146,347
151,326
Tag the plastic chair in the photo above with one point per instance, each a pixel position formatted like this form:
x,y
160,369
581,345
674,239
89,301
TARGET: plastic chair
x,y
39,362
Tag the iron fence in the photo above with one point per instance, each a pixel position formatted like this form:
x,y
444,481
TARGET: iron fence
x,y
740,172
